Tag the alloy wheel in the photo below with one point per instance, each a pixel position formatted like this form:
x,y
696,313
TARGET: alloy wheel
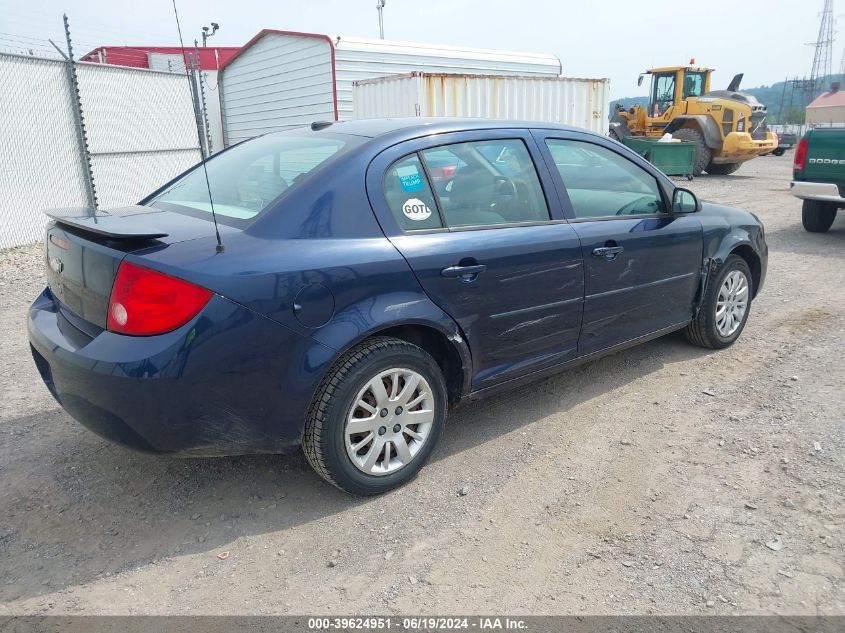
x,y
389,421
732,303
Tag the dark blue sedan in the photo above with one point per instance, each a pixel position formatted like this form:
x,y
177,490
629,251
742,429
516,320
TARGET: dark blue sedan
x,y
355,297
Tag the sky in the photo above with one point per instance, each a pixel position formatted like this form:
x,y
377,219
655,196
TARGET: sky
x,y
767,40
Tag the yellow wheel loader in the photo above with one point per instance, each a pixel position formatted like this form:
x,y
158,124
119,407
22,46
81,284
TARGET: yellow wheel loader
x,y
728,127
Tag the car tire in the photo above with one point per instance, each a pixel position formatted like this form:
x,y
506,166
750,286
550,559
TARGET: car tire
x,y
722,169
779,152
703,154
817,216
329,438
707,330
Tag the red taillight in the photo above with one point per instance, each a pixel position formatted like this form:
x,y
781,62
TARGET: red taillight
x,y
800,155
145,302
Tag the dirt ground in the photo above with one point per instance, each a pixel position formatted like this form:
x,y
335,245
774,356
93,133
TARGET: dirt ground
x,y
665,479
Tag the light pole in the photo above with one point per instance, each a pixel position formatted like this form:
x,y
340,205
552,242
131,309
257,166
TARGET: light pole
x,y
380,7
205,32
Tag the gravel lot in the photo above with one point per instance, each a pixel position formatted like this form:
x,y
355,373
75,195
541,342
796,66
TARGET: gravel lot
x,y
665,479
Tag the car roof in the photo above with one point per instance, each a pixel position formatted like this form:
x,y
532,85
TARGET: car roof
x,y
411,127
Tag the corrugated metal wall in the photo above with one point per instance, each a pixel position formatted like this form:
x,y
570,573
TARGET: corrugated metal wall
x,y
570,101
285,80
358,59
141,133
280,82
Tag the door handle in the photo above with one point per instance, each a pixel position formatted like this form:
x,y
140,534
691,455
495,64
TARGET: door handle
x,y
464,273
608,252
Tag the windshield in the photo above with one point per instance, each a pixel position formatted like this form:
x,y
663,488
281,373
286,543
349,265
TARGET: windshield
x,y
246,179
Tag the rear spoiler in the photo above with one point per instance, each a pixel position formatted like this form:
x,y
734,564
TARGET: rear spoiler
x,y
123,223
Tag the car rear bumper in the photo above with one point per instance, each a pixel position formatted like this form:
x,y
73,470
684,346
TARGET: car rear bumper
x,y
228,382
822,191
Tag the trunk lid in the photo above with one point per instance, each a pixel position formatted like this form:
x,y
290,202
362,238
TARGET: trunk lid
x,y
84,251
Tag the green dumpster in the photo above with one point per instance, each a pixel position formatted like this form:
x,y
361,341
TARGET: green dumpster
x,y
675,158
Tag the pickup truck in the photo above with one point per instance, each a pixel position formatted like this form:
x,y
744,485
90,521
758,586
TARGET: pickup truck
x,y
818,177
786,141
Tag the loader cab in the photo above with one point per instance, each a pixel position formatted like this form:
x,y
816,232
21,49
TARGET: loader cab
x,y
671,87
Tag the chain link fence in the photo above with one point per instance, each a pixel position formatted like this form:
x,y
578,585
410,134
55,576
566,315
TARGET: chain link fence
x,y
39,156
140,126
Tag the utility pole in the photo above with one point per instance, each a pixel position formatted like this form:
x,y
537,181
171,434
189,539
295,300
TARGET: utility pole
x,y
200,103
380,8
192,68
205,32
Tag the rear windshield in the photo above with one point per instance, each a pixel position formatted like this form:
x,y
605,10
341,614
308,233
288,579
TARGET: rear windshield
x,y
246,179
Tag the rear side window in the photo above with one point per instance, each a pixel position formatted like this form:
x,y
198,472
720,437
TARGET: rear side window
x,y
601,183
409,195
246,179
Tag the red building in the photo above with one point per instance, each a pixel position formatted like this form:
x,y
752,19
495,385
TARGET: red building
x,y
211,57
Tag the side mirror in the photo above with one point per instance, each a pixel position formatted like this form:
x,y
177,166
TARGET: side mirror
x,y
684,201
640,80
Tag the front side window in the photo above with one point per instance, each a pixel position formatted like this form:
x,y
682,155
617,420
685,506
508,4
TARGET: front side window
x,y
493,182
246,179
601,183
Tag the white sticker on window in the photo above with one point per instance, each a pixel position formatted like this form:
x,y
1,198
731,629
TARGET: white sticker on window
x,y
415,209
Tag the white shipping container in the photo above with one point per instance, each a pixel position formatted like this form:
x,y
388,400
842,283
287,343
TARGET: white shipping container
x,y
582,103
281,79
